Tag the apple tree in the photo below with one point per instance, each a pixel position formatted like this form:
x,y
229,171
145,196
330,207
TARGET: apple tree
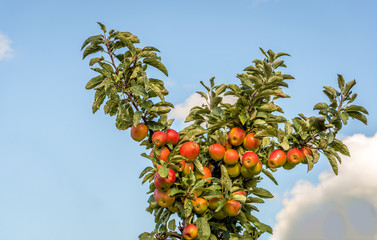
x,y
208,174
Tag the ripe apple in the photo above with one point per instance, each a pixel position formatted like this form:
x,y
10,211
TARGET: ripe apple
x,y
139,132
186,169
172,136
220,214
181,165
200,205
234,170
162,198
190,232
250,142
239,193
306,151
277,158
250,159
295,156
232,208
159,138
164,153
236,136
189,150
231,157
228,145
216,151
164,182
207,174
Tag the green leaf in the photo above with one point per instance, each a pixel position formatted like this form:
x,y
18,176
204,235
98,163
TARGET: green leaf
x,y
138,90
188,207
355,108
263,193
99,97
91,49
359,116
198,166
348,87
202,94
266,133
321,106
226,183
94,82
95,40
339,146
137,118
332,161
340,82
204,230
269,175
157,64
102,27
147,169
310,162
285,143
243,118
163,171
171,225
270,107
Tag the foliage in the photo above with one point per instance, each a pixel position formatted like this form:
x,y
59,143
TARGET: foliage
x,y
126,92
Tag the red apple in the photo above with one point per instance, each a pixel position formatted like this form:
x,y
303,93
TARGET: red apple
x,y
239,193
200,205
250,159
164,153
190,232
207,174
189,150
250,142
236,136
232,208
231,157
172,136
277,158
159,138
164,182
216,151
139,132
295,156
162,198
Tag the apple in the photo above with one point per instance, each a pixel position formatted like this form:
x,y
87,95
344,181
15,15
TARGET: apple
x,y
213,203
232,208
207,174
162,198
186,169
139,132
295,156
239,193
236,136
228,145
159,138
306,151
231,157
172,136
277,158
164,153
246,173
220,214
288,166
190,232
250,142
216,151
200,205
164,182
257,169
250,159
234,170
173,208
189,150
181,165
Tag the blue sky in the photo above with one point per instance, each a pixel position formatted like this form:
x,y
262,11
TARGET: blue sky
x,y
68,174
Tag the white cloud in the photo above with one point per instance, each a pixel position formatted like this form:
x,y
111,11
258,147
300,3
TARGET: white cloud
x,y
5,49
339,207
181,110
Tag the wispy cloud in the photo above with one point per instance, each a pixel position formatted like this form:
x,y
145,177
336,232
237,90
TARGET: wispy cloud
x,y
339,207
5,49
